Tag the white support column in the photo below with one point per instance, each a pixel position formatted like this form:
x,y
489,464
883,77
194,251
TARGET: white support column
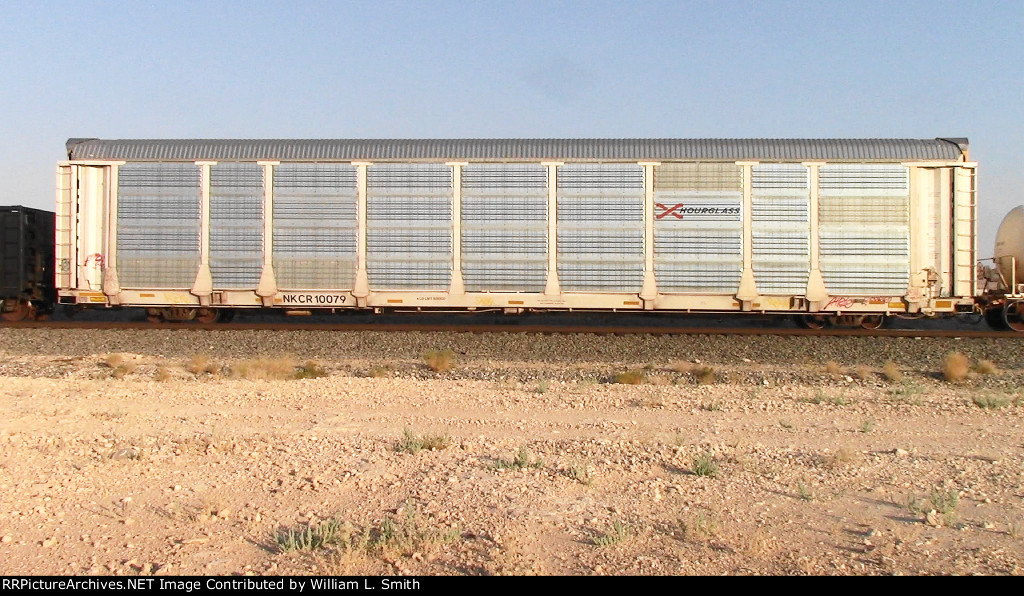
x,y
63,229
76,207
916,211
816,293
553,287
747,291
203,286
944,234
457,286
649,291
111,285
267,287
965,237
361,289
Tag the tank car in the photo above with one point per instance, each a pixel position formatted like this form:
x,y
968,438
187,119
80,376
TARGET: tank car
x,y
1002,276
831,231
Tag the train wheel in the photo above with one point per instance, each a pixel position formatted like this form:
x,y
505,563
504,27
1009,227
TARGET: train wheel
x,y
207,316
20,311
873,322
812,321
994,318
1013,316
153,315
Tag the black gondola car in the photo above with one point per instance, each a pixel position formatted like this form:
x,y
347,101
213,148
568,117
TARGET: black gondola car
x,y
26,263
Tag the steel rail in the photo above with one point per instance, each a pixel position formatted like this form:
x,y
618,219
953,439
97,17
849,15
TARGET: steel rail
x,y
513,327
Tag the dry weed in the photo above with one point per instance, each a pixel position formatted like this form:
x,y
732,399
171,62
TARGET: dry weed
x,y
955,367
201,363
310,370
379,372
439,360
986,367
636,376
659,380
123,370
845,456
705,375
266,369
891,372
833,368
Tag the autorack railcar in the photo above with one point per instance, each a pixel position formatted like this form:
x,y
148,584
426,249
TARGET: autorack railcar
x,y
833,231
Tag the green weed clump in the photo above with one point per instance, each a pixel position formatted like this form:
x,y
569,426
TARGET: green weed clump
x,y
309,537
615,534
523,459
310,370
704,464
412,443
991,401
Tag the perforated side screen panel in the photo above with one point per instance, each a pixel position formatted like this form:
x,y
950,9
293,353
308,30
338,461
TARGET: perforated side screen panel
x,y
315,226
864,229
158,207
781,228
600,227
236,225
698,227
409,226
504,227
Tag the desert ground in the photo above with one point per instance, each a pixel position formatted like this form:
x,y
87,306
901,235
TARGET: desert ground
x,y
222,453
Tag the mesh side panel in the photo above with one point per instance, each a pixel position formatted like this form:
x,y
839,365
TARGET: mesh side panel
x,y
236,225
781,228
600,227
409,226
315,226
158,209
698,176
864,229
504,227
698,227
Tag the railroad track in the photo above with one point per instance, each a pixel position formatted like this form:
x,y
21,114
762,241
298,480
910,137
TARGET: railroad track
x,y
552,329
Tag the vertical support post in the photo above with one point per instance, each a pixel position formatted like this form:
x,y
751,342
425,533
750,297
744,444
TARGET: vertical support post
x,y
63,232
203,286
649,290
816,291
944,190
553,287
457,286
965,238
917,223
111,286
267,287
361,287
747,291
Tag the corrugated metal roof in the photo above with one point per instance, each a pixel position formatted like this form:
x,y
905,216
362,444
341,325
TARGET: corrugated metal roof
x,y
514,149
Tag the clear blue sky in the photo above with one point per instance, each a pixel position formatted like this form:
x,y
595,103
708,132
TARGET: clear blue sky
x,y
524,69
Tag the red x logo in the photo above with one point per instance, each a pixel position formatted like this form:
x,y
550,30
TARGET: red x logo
x,y
669,210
